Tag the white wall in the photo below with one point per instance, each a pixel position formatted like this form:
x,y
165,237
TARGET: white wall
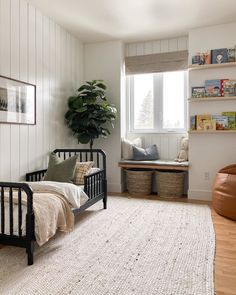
x,y
210,152
168,144
34,49
105,61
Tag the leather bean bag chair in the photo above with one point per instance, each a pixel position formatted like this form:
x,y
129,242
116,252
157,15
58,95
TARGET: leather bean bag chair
x,y
224,192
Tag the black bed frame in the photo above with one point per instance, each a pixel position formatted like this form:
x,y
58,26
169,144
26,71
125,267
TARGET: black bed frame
x,y
95,186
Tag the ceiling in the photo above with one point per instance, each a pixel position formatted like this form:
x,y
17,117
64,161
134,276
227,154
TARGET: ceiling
x,y
135,20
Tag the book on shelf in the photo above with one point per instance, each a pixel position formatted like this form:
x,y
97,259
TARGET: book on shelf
x,y
231,54
219,56
209,125
229,88
200,121
231,119
215,87
192,123
222,122
198,92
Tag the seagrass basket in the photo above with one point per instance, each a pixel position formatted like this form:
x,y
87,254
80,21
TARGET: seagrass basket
x,y
170,184
139,182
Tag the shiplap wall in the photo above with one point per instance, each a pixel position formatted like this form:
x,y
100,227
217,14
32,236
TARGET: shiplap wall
x,y
36,50
168,143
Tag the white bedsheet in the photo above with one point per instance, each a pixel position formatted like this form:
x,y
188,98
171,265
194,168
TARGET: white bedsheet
x,y
75,196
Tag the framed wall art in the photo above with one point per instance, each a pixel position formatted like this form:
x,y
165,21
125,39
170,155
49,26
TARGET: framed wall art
x,y
17,102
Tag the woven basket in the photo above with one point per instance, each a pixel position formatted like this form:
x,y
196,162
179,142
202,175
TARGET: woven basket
x,y
139,182
170,184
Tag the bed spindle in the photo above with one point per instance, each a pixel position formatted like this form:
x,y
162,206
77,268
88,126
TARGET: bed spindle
x,y
19,212
11,210
2,211
98,160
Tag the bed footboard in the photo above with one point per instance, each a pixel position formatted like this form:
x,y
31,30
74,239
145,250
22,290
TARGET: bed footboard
x,y
12,225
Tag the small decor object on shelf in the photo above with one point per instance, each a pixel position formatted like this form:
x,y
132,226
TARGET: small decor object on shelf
x,y
221,122
200,121
229,88
209,125
231,119
206,58
231,54
219,56
198,92
202,58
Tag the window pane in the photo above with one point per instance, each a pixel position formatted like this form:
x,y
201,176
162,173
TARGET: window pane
x,y
143,101
173,100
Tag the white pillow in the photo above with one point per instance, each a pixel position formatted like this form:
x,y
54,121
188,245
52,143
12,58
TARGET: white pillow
x,y
93,170
127,147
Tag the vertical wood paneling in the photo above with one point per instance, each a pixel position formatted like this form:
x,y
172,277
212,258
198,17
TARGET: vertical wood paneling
x,y
35,49
58,85
39,90
31,79
46,112
156,46
52,99
15,73
24,146
5,62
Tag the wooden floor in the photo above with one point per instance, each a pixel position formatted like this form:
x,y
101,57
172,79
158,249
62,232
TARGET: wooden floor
x,y
225,257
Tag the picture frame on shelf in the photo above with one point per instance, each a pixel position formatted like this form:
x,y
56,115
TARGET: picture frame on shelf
x,y
17,102
219,56
198,91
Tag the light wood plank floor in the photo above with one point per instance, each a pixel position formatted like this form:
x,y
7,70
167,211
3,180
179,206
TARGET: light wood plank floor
x,y
225,257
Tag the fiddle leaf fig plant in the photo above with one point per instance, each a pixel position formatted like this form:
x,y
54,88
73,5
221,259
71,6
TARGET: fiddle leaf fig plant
x,y
90,115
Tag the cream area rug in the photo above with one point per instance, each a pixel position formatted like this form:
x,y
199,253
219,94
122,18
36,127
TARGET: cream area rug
x,y
136,246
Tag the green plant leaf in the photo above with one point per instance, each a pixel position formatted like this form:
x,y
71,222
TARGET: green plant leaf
x,y
81,109
89,112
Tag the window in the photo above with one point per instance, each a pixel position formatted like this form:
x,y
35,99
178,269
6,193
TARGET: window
x,y
158,102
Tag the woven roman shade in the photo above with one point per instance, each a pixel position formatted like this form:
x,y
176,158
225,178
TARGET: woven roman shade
x,y
154,63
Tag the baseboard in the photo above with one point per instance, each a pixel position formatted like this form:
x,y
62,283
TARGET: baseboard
x,y
203,195
114,187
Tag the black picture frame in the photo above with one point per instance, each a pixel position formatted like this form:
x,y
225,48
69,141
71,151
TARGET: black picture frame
x,y
17,102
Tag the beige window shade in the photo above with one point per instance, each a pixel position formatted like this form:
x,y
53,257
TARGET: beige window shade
x,y
153,63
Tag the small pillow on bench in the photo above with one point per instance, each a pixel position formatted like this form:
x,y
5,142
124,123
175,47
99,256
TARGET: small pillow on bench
x,y
127,147
150,153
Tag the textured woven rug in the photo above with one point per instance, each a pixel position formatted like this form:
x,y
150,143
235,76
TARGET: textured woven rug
x,y
136,246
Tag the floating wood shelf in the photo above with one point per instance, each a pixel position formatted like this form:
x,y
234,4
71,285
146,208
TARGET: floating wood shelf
x,y
221,98
210,131
211,66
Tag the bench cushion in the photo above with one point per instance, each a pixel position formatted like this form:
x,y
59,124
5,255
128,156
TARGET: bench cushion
x,y
155,164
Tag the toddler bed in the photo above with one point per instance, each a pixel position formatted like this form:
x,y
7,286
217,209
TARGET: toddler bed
x,y
33,211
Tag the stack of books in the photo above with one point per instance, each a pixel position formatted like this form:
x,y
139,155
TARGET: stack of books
x,y
225,121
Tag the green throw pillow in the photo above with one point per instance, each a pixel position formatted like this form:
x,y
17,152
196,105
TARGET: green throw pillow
x,y
59,170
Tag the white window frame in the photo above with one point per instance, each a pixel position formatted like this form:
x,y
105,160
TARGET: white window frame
x,y
158,106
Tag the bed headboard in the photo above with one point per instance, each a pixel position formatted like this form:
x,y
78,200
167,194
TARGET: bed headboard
x,y
84,155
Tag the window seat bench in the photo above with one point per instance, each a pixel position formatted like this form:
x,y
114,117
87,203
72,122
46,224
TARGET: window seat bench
x,y
154,164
